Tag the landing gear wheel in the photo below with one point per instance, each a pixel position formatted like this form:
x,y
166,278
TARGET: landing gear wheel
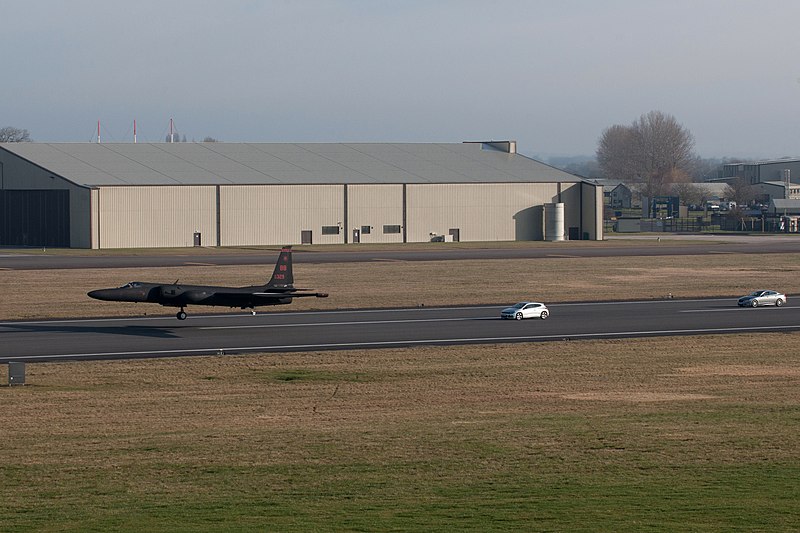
x,y
544,315
518,316
779,302
754,303
181,315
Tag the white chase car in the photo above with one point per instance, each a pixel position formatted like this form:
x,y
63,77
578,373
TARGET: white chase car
x,y
525,310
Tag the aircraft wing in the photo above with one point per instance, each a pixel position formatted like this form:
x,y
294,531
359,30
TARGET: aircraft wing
x,y
290,294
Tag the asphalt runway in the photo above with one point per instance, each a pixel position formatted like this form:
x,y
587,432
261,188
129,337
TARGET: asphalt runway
x,y
120,338
654,246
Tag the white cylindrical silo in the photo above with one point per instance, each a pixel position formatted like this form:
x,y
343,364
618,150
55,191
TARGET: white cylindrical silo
x,y
554,222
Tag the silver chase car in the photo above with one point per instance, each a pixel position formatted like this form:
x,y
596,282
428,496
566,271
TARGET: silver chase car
x,y
759,298
525,310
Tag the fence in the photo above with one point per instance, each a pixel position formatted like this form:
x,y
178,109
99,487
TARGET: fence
x,y
698,225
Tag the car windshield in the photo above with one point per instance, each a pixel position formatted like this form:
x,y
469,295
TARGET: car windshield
x,y
519,305
757,293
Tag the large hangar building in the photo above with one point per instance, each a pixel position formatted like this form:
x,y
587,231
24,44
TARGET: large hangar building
x,y
144,195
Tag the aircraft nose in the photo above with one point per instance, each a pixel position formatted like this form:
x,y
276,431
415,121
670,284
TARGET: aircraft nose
x,y
101,294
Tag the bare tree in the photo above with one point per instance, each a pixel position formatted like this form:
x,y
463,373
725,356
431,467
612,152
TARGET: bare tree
x,y
10,134
689,193
655,150
740,191
209,140
615,153
703,169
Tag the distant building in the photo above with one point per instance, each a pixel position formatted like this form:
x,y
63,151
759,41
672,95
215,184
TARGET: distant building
x,y
763,171
779,207
774,179
768,190
712,192
616,193
621,197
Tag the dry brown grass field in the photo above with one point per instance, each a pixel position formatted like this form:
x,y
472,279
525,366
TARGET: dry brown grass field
x,y
654,434
664,434
62,293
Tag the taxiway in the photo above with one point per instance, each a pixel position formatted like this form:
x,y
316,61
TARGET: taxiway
x,y
649,246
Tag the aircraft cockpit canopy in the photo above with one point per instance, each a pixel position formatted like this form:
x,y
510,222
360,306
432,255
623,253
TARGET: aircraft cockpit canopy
x,y
131,285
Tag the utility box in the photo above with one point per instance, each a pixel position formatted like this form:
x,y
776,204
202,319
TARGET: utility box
x,y
16,374
628,225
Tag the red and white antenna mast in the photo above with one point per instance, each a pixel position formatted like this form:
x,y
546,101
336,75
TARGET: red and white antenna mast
x,y
98,132
171,135
134,131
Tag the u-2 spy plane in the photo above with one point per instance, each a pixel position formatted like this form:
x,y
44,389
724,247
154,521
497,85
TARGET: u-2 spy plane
x,y
279,290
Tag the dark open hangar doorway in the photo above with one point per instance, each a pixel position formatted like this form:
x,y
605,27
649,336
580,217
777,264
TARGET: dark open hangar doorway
x,y
34,218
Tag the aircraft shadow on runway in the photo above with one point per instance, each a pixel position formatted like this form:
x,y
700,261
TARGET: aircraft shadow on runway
x,y
135,331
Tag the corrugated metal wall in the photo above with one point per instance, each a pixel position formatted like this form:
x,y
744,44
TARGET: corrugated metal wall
x,y
277,214
481,212
593,211
142,217
571,196
373,207
94,217
166,216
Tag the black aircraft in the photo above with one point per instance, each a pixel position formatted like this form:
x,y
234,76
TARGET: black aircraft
x,y
278,290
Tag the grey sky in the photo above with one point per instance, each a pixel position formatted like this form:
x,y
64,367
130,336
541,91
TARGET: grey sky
x,y
550,74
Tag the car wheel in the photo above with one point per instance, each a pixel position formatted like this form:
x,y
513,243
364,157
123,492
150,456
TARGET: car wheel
x,y
779,302
544,315
518,316
754,303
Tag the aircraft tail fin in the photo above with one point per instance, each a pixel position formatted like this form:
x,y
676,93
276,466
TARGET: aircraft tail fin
x,y
282,275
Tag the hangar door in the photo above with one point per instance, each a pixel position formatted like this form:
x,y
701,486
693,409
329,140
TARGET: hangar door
x,y
34,218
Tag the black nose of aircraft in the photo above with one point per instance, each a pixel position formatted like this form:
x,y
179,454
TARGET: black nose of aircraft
x,y
101,294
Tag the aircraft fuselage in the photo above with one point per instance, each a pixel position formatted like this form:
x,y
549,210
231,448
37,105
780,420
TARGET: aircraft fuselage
x,y
173,295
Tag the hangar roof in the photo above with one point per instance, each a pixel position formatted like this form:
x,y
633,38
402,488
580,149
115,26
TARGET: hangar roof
x,y
92,164
787,204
